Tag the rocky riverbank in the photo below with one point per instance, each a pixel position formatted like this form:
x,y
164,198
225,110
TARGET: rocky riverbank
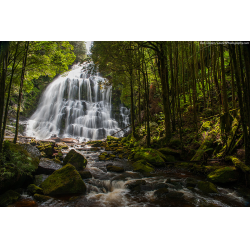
x,y
114,172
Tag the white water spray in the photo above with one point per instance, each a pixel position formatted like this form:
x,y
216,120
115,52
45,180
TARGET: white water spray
x,y
74,106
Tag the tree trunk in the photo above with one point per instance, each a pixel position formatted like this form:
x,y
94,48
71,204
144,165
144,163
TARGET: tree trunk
x,y
4,55
8,98
224,92
21,90
242,111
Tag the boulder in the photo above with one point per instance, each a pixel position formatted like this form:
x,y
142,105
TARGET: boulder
x,y
47,166
207,187
190,182
160,185
161,193
103,156
75,159
151,156
85,174
33,151
33,189
116,169
66,180
42,198
46,148
69,140
135,185
20,165
142,166
8,198
39,179
224,175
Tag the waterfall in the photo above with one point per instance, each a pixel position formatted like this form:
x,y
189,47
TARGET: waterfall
x,y
75,106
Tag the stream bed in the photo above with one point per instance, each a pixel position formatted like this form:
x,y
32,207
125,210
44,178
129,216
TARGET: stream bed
x,y
131,189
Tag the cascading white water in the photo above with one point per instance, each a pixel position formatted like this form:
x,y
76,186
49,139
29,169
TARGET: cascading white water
x,y
75,106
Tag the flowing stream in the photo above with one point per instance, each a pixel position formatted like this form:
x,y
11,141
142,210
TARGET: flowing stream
x,y
110,189
74,105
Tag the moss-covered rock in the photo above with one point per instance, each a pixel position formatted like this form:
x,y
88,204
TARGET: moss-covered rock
x,y
33,189
190,182
46,149
224,175
143,167
150,155
41,198
116,169
19,167
85,174
8,198
103,156
64,181
48,166
75,159
135,185
112,138
207,187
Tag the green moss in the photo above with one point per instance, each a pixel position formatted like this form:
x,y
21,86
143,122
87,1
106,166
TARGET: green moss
x,y
46,149
207,187
142,166
115,169
75,159
169,151
150,155
64,181
224,175
8,198
41,198
33,189
103,156
238,164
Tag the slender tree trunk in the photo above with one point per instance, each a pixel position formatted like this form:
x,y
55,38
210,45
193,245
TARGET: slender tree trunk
x,y
233,89
242,111
147,96
163,72
224,92
21,90
194,89
172,87
202,76
215,74
4,55
8,98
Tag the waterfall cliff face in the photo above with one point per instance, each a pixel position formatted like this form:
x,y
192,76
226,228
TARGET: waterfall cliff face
x,y
75,106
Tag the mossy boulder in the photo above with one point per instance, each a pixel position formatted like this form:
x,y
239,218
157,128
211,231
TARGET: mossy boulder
x,y
190,182
19,168
66,180
75,159
85,174
46,149
33,189
8,198
103,156
143,167
41,198
151,156
224,175
207,187
116,169
135,185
